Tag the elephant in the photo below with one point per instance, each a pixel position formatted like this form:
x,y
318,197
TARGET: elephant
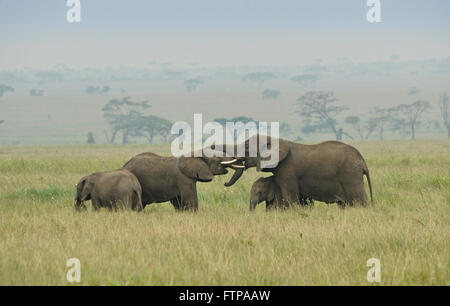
x,y
110,189
265,189
331,171
175,179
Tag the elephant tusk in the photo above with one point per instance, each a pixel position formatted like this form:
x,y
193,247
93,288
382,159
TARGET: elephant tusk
x,y
238,166
229,162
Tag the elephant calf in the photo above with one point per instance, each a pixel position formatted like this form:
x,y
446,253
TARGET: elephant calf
x,y
111,189
265,189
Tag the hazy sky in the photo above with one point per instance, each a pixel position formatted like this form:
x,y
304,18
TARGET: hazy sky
x,y
218,32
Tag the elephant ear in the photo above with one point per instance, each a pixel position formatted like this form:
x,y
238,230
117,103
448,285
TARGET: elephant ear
x,y
84,188
271,191
195,168
269,161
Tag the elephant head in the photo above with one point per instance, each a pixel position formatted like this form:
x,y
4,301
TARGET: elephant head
x,y
262,152
205,167
262,190
84,188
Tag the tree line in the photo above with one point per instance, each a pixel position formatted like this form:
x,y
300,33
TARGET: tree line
x,y
320,111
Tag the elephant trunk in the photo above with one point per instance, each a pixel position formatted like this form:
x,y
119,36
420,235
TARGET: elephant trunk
x,y
236,175
253,204
79,204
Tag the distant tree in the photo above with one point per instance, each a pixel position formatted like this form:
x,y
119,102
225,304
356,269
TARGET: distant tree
x,y
411,114
4,89
355,122
370,126
270,94
90,138
381,116
121,116
285,130
364,130
444,107
305,80
258,78
192,84
319,108
36,92
49,76
92,90
243,119
413,91
152,126
1,121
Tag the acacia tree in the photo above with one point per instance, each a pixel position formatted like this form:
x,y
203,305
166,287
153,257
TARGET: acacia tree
x,y
121,115
270,94
192,84
411,114
368,127
319,107
152,126
381,116
259,78
305,80
355,122
4,89
242,119
445,112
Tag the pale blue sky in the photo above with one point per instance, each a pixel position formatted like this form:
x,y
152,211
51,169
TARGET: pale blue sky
x,y
213,32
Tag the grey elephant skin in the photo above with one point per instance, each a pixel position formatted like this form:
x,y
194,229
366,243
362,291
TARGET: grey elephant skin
x,y
330,172
265,189
175,179
111,189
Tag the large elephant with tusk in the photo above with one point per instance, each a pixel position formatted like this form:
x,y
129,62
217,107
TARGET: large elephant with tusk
x,y
330,172
175,179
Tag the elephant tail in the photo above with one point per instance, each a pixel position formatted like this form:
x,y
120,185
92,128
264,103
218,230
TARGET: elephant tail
x,y
366,172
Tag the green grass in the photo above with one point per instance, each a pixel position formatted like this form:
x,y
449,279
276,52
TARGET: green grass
x,y
224,244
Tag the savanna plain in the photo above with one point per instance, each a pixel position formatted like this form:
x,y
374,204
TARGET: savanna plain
x,y
223,243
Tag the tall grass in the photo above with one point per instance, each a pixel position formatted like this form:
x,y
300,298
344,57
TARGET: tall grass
x,y
224,244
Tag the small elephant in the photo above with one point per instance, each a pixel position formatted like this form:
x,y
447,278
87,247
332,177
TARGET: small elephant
x,y
265,189
110,189
175,179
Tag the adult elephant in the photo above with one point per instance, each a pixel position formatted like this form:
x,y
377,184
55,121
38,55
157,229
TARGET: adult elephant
x,y
175,179
330,172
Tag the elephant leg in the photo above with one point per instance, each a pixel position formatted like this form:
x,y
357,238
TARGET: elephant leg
x,y
137,206
341,204
289,193
189,198
95,204
176,202
190,204
269,205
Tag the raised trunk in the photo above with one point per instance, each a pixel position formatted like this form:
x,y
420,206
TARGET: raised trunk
x,y
237,174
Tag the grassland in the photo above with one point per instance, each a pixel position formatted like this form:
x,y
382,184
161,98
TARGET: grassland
x,y
224,244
